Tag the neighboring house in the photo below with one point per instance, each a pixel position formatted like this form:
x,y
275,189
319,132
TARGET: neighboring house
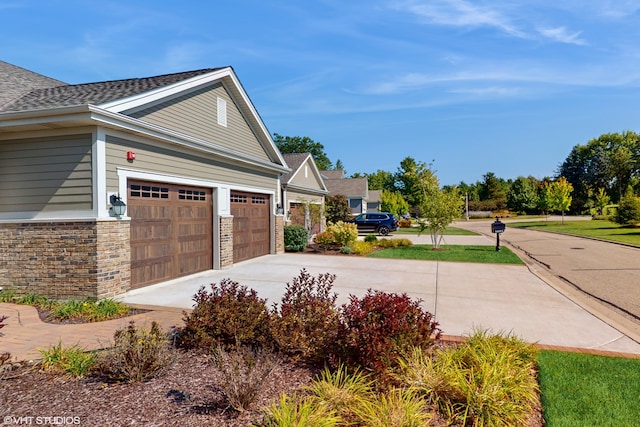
x,y
303,192
373,202
187,153
354,189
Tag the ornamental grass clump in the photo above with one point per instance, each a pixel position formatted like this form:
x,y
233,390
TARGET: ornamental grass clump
x,y
305,324
377,328
74,361
229,315
487,381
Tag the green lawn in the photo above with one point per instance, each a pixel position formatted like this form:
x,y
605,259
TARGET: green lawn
x,y
599,229
586,390
457,253
450,231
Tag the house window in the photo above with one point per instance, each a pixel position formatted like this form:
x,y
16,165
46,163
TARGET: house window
x,y
184,194
238,198
222,112
149,191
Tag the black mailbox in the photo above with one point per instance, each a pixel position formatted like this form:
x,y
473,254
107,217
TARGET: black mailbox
x,y
497,226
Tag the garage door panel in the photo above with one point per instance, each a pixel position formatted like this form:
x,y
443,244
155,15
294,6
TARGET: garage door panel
x,y
171,231
251,225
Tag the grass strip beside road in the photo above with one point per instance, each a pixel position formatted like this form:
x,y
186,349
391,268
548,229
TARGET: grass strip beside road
x,y
598,229
450,231
588,390
454,253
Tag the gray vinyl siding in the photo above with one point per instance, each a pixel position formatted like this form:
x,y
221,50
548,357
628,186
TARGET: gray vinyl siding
x,y
196,114
46,174
298,197
163,160
310,181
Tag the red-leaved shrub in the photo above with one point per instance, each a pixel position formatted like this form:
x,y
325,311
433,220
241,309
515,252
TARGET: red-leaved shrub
x,y
376,329
306,323
229,316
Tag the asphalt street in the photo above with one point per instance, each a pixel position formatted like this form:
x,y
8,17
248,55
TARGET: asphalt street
x,y
601,275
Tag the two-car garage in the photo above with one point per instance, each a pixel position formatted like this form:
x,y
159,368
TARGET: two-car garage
x,y
172,233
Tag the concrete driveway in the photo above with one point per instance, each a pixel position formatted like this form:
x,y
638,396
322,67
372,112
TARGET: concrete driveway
x,y
462,296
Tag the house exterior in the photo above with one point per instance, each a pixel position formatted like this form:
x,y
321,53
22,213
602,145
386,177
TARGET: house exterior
x,y
187,153
303,192
354,189
373,202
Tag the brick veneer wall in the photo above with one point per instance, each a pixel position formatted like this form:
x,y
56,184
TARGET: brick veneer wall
x,y
66,260
279,234
226,241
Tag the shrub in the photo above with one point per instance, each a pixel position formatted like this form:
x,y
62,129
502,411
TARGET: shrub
x,y
394,243
361,248
629,209
305,325
404,223
370,238
74,361
2,324
345,233
345,250
137,354
296,238
325,239
244,372
230,315
374,330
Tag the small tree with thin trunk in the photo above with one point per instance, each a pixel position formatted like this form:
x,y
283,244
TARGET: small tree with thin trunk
x,y
560,195
439,208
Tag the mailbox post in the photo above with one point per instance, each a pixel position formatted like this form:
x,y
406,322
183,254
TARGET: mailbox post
x,y
498,228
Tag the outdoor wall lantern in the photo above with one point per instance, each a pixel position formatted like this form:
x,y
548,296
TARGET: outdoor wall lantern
x,y
279,209
118,207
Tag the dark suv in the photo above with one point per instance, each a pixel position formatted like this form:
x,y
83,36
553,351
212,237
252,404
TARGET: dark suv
x,y
378,222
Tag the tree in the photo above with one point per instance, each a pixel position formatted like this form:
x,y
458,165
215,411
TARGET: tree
x,y
523,195
304,144
629,209
379,180
392,201
339,166
602,199
559,192
410,180
495,189
336,208
439,208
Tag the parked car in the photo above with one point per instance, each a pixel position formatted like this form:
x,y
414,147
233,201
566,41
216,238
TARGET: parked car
x,y
376,222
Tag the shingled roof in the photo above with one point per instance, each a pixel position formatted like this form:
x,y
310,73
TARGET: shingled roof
x,y
95,93
16,81
294,160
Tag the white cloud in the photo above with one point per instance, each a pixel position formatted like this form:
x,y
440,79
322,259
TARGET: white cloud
x,y
459,13
561,35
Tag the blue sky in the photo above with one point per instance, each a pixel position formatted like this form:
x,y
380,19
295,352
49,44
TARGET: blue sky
x,y
472,86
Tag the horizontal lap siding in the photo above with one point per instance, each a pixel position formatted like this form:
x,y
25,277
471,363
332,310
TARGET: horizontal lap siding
x,y
195,114
162,160
46,174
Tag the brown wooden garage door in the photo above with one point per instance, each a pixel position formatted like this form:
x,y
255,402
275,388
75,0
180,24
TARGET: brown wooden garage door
x,y
251,225
171,231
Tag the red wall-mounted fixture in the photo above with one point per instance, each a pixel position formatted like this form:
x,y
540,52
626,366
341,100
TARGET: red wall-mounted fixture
x,y
131,155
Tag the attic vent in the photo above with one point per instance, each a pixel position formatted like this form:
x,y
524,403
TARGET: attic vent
x,y
222,112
